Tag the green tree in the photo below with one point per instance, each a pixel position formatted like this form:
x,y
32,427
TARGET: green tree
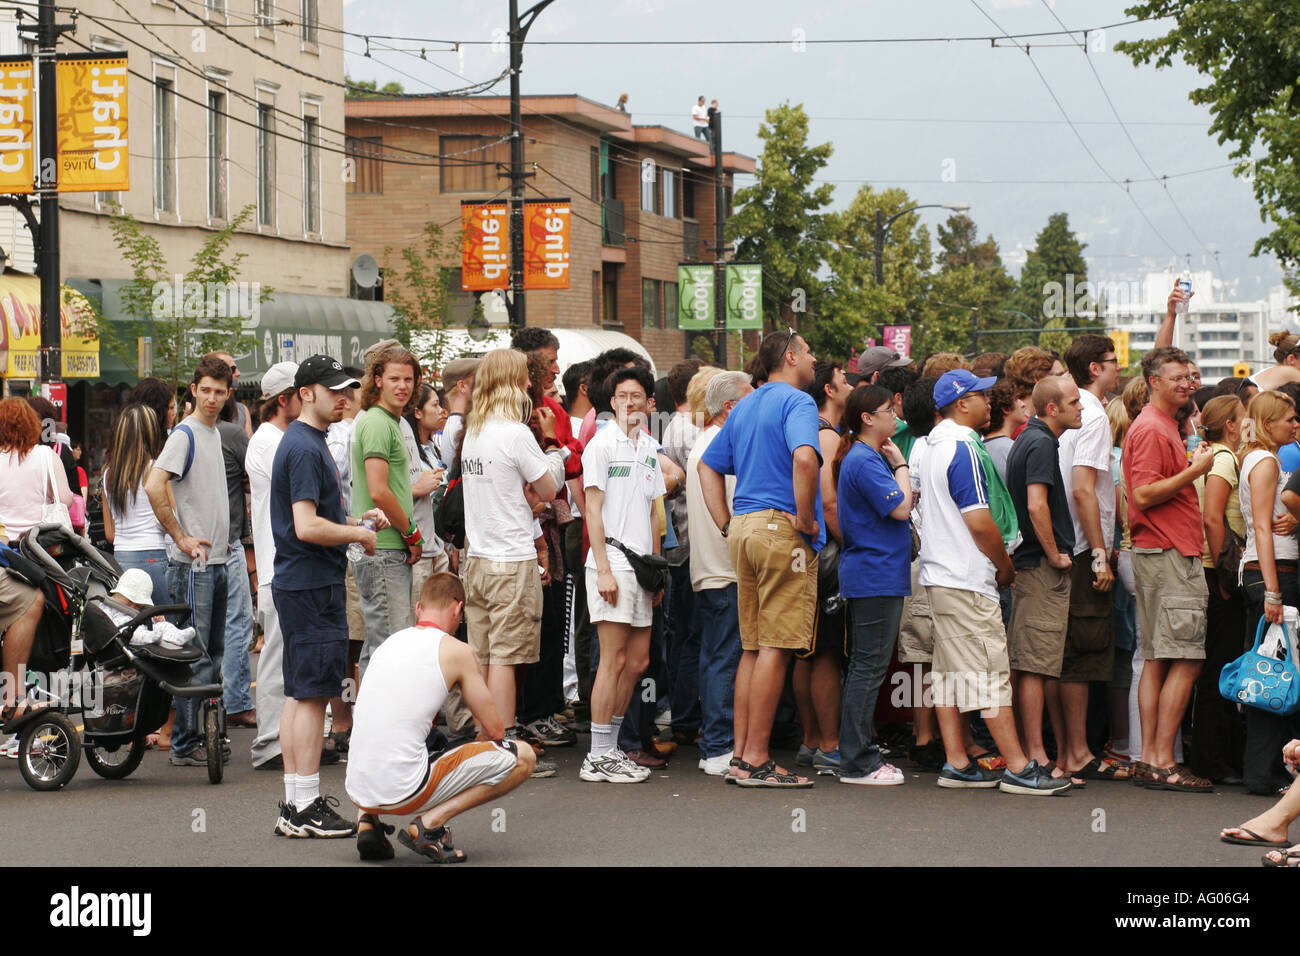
x,y
419,290
969,293
779,220
359,89
207,317
1053,280
1250,51
854,306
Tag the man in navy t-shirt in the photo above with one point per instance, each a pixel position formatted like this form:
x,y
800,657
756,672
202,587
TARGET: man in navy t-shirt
x,y
770,444
311,532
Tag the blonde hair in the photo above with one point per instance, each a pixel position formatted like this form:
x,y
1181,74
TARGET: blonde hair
x,y
941,362
699,384
1117,415
1216,415
1136,394
499,390
1265,407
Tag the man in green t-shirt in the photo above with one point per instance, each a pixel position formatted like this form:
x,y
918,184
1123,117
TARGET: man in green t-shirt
x,y
381,479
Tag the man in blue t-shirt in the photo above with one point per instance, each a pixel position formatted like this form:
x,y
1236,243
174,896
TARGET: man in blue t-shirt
x,y
770,444
311,532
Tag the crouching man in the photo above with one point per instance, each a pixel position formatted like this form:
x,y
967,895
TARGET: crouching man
x,y
390,771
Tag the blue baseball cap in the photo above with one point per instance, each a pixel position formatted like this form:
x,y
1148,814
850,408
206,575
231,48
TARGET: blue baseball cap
x,y
953,385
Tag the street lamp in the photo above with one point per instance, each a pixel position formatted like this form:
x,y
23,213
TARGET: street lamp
x,y
883,224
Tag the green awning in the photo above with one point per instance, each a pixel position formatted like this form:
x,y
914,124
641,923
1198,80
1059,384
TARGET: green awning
x,y
288,326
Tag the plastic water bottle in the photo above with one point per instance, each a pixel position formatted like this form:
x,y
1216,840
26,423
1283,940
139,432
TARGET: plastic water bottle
x,y
1184,283
355,551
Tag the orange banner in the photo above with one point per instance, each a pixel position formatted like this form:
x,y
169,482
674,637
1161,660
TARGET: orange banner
x,y
17,125
92,124
546,243
484,246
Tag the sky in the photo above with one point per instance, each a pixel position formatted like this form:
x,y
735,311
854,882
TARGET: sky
x,y
947,121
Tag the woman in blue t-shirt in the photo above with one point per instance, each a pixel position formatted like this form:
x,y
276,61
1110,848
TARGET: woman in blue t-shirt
x,y
875,501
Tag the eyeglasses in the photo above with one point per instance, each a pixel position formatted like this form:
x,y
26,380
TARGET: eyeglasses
x,y
1110,361
234,368
1179,379
887,409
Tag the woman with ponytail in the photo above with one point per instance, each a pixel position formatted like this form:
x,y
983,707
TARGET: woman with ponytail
x,y
875,501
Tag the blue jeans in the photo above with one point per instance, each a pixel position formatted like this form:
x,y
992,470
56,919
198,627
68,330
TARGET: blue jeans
x,y
719,623
205,592
682,637
152,563
384,591
236,675
873,629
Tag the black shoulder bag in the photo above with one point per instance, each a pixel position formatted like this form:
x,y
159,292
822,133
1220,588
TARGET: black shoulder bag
x,y
651,570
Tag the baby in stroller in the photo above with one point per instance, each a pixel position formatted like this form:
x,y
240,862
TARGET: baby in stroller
x,y
134,593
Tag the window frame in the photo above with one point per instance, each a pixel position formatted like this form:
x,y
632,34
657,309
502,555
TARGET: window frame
x,y
312,212
267,171
164,96
218,84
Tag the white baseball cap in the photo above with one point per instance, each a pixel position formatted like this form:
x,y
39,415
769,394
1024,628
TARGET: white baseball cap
x,y
278,378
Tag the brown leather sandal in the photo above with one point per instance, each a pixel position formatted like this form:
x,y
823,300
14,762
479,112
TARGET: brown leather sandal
x,y
1187,781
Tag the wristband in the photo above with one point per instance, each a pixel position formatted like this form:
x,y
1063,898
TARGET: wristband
x,y
1099,560
1272,597
894,470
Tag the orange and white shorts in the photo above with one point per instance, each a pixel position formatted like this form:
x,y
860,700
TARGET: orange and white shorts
x,y
454,772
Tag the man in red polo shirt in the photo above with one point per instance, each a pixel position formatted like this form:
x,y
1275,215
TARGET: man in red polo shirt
x,y
1165,518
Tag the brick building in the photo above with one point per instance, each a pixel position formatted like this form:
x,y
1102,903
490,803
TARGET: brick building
x,y
642,198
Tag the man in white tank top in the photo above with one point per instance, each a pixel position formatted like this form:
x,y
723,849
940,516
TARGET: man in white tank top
x,y
390,770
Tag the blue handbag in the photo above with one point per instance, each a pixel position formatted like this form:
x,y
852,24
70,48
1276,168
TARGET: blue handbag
x,y
1267,683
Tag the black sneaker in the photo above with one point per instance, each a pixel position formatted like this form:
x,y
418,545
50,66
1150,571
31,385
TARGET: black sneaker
x,y
320,820
551,733
287,812
373,844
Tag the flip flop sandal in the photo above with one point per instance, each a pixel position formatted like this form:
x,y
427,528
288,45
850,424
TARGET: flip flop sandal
x,y
1254,839
1076,779
1099,768
768,776
1288,857
435,844
738,764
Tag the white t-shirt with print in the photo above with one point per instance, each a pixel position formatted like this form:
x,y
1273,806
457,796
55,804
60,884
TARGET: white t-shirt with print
x,y
627,470
495,464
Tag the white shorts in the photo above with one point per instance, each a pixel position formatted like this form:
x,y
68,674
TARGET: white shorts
x,y
633,605
454,772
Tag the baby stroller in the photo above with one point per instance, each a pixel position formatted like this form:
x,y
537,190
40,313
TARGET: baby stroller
x,y
121,691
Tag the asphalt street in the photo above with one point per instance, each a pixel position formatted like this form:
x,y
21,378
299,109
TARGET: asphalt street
x,y
163,815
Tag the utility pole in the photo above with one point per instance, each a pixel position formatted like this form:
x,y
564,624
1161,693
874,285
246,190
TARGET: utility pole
x,y
47,36
519,27
719,240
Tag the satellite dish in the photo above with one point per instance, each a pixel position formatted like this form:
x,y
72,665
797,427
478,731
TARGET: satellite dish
x,y
365,271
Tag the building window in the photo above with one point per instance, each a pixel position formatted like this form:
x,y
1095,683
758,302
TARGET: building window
x,y
609,298
650,303
669,177
266,165
310,175
164,144
670,305
216,155
368,167
688,196
470,163
266,18
215,9
310,18
649,186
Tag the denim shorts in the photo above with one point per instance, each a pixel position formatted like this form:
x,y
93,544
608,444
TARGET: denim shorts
x,y
315,628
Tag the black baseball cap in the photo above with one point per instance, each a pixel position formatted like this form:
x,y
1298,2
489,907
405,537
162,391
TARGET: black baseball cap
x,y
323,370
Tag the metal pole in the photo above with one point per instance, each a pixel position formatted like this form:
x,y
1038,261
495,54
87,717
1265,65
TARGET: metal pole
x,y
719,243
880,245
518,312
48,253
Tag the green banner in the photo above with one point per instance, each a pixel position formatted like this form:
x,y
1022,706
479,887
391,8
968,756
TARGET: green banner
x,y
744,296
694,297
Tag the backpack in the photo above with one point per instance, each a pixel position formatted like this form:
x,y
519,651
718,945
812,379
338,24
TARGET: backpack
x,y
189,457
449,509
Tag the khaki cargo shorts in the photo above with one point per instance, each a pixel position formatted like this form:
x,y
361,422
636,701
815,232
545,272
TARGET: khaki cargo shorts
x,y
503,610
1040,616
970,669
776,574
1171,603
916,632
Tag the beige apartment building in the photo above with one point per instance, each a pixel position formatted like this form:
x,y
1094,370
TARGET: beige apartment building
x,y
642,199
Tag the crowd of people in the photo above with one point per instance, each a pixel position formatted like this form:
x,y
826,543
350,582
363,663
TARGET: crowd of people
x,y
456,570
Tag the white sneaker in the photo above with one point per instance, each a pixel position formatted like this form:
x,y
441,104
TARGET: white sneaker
x,y
643,772
886,776
10,748
716,766
613,767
